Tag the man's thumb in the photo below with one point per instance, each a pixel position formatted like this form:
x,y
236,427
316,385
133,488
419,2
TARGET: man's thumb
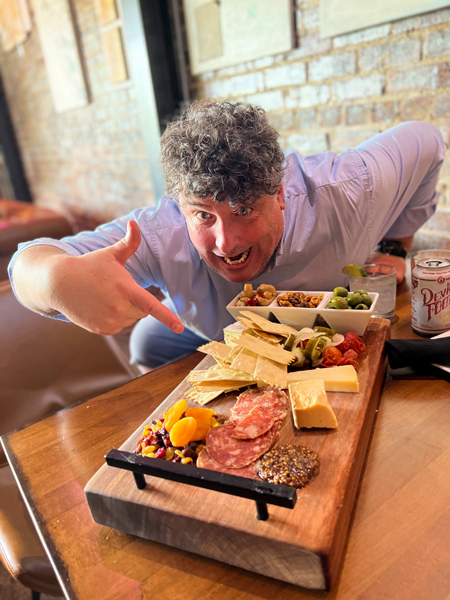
x,y
127,246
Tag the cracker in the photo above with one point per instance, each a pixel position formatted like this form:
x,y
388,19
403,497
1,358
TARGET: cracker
x,y
216,349
202,397
245,361
217,374
267,350
266,325
269,337
271,372
224,385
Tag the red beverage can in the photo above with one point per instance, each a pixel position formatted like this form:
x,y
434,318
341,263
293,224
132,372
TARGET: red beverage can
x,y
430,310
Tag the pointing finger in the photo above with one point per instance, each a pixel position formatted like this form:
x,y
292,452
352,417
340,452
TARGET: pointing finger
x,y
150,305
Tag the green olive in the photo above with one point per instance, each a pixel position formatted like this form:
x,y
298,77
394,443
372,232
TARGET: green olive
x,y
360,292
361,307
354,299
338,302
330,306
367,300
340,291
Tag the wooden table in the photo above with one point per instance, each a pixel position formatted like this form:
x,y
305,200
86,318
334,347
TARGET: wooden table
x,y
398,546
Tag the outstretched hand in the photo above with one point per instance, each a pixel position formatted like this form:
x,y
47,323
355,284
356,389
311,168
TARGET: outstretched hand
x,y
96,292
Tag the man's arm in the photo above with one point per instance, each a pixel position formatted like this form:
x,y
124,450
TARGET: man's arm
x,y
94,290
396,261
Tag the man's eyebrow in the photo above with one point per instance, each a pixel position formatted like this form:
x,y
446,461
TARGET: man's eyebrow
x,y
193,203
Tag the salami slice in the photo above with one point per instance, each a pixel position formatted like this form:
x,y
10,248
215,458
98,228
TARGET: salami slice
x,y
255,423
271,398
233,453
204,461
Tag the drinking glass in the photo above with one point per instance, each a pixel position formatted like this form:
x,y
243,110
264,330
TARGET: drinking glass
x,y
383,280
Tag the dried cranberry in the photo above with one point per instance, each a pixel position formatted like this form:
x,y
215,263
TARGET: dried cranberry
x,y
167,442
252,302
160,453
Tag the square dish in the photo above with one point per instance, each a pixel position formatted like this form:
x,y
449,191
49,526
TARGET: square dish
x,y
340,320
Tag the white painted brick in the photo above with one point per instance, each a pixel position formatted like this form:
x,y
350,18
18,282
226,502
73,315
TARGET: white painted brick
x,y
438,43
365,35
426,20
311,19
422,78
359,87
294,74
332,66
262,63
310,45
241,84
268,100
307,144
402,51
307,96
343,140
232,70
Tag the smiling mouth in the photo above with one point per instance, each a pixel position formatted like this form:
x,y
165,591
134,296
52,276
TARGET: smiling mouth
x,y
238,259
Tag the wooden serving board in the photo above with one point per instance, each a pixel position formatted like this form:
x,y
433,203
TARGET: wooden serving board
x,y
303,546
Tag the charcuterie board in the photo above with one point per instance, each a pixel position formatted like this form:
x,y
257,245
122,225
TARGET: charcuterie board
x,y
303,545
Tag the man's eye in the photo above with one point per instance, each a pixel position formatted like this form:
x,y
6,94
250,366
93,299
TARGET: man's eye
x,y
203,216
244,211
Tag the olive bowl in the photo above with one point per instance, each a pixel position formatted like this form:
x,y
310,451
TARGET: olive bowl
x,y
340,320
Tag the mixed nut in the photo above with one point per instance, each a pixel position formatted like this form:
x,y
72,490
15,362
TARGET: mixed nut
x,y
264,295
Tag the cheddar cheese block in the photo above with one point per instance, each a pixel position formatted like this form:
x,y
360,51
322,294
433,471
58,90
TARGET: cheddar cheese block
x,y
310,406
337,379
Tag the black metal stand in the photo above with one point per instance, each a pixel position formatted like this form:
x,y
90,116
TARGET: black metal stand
x,y
261,492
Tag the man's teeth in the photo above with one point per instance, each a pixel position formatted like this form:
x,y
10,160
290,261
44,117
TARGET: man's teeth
x,y
239,260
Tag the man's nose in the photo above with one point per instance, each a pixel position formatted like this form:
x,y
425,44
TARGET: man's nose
x,y
228,237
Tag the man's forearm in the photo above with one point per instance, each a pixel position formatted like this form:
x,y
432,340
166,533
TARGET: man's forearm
x,y
33,277
396,261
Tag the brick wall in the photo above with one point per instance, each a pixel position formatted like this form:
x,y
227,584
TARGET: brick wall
x,y
333,93
327,93
90,161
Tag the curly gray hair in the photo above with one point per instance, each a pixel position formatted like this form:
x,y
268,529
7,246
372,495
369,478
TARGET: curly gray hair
x,y
224,150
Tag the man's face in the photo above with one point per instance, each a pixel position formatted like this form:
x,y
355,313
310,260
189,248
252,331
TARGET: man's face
x,y
237,243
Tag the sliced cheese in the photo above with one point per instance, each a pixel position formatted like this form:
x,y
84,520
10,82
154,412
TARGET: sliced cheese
x,y
310,406
337,379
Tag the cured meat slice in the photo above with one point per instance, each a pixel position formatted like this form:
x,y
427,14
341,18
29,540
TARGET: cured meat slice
x,y
271,398
204,461
233,453
255,423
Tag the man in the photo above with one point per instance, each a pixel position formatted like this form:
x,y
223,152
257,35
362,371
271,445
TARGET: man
x,y
236,211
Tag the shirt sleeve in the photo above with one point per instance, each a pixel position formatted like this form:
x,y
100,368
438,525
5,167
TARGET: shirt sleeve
x,y
403,165
139,265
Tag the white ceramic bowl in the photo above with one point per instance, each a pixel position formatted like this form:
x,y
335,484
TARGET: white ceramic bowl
x,y
342,321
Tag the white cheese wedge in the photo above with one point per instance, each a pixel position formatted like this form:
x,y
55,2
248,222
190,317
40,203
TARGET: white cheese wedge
x,y
310,406
337,379
232,332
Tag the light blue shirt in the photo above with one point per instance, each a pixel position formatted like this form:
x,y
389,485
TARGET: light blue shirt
x,y
337,209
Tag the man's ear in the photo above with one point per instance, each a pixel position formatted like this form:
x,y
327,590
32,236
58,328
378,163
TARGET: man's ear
x,y
280,200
